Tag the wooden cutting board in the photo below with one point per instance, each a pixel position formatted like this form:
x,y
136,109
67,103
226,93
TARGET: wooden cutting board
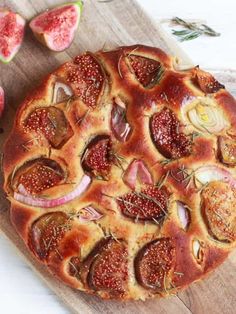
x,y
103,24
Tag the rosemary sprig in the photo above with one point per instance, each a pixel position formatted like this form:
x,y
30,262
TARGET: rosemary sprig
x,y
194,135
101,178
164,96
165,162
74,267
26,145
158,77
125,202
162,180
152,199
202,185
83,155
68,103
58,253
108,233
156,221
80,120
132,51
187,176
192,30
53,123
119,159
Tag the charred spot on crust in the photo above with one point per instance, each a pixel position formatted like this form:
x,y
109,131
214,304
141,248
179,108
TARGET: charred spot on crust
x,y
105,268
218,205
206,82
38,175
227,151
154,263
96,158
147,71
46,233
52,123
167,136
149,204
87,79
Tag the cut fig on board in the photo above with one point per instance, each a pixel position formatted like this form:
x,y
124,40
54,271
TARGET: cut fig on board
x,y
56,28
12,27
2,100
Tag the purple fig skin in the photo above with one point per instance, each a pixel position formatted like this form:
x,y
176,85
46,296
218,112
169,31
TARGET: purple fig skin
x,y
2,101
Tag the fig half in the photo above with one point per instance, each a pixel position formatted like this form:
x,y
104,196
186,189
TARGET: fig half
x,y
56,28
12,27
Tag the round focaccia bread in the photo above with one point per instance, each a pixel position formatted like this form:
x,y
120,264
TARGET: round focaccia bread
x,y
120,171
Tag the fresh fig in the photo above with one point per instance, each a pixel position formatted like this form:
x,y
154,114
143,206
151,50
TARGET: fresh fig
x,y
56,28
12,27
2,100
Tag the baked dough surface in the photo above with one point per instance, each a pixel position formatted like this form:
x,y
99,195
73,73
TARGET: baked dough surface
x,y
159,146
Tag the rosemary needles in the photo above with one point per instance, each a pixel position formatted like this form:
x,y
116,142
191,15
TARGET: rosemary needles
x,y
192,30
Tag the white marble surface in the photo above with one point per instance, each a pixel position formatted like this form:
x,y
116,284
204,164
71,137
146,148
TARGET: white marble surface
x,y
209,52
21,291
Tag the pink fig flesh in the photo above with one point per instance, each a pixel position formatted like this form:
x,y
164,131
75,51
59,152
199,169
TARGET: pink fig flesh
x,y
12,27
2,101
56,28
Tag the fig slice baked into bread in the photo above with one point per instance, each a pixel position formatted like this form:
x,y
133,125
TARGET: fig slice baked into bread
x,y
121,174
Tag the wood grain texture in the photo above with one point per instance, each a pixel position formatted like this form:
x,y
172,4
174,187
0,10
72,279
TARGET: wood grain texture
x,y
110,24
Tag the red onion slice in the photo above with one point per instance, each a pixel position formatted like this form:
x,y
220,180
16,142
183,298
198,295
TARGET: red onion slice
x,y
206,174
183,214
196,248
62,92
89,213
120,127
137,170
22,190
49,203
198,252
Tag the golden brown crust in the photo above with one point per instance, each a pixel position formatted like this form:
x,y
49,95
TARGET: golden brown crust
x,y
171,123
